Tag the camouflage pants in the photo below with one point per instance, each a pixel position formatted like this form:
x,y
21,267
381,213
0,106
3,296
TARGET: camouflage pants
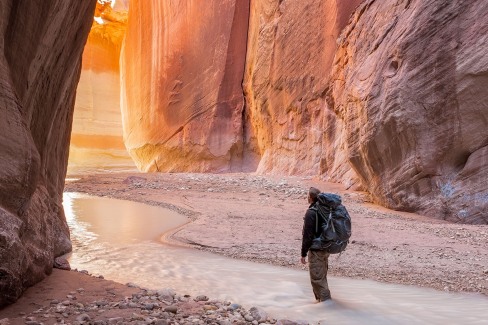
x,y
318,266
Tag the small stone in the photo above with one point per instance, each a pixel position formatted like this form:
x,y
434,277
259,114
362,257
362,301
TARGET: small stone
x,y
4,321
115,320
83,318
258,314
161,322
224,322
171,309
209,307
61,263
201,298
248,318
234,307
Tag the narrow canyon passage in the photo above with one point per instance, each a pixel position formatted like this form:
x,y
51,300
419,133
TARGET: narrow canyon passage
x,y
120,240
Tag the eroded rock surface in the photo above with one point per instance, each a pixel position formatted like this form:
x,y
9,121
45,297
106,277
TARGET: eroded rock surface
x,y
290,54
40,55
409,84
96,138
183,64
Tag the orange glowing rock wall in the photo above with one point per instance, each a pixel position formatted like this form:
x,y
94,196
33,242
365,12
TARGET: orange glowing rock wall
x,y
390,101
290,53
183,64
40,58
96,139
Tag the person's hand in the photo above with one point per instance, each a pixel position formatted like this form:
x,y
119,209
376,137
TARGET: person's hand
x,y
303,260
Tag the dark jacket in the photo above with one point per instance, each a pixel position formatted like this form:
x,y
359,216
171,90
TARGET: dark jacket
x,y
309,229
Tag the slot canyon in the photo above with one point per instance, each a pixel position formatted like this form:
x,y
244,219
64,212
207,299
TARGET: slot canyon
x,y
389,98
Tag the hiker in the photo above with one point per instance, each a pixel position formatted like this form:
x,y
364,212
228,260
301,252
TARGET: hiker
x,y
318,259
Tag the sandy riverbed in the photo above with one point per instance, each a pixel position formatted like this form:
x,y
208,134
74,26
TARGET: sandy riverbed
x,y
260,219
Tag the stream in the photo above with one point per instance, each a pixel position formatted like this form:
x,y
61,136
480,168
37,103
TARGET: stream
x,y
121,241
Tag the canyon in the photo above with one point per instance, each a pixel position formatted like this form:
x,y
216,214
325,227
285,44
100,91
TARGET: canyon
x,y
386,97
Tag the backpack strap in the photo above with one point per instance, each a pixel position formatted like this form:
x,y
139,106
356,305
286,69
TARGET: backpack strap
x,y
314,208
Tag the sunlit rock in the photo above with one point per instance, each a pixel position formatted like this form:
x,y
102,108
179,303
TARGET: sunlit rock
x,y
182,70
96,139
40,56
409,84
289,58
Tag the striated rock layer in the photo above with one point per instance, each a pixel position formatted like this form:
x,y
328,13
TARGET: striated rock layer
x,y
40,56
290,54
96,138
409,84
391,101
183,64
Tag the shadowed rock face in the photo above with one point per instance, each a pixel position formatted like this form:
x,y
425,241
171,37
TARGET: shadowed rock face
x,y
40,55
183,64
410,87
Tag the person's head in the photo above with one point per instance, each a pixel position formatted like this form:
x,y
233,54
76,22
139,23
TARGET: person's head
x,y
313,194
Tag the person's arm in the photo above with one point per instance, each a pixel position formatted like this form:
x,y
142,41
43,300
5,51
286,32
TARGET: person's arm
x,y
308,232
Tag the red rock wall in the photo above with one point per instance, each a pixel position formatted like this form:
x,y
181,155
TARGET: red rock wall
x,y
96,139
290,54
40,56
183,65
391,101
410,85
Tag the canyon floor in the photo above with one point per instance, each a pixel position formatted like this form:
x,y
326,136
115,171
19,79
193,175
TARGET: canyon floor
x,y
259,218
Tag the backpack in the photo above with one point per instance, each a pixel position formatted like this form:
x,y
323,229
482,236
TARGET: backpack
x,y
336,226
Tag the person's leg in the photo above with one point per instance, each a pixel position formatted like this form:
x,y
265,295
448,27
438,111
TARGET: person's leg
x,y
318,266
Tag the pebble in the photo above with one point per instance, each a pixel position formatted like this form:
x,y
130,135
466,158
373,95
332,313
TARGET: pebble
x,y
143,309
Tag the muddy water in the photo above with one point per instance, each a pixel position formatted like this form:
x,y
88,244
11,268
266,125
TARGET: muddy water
x,y
120,239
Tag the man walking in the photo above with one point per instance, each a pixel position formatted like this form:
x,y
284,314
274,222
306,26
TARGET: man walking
x,y
318,260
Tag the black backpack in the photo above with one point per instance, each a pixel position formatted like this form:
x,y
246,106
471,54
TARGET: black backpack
x,y
336,226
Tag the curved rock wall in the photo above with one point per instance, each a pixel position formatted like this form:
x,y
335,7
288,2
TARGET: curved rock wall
x,y
183,64
96,138
290,54
40,56
410,85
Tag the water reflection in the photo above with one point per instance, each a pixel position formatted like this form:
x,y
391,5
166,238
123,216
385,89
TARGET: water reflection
x,y
134,255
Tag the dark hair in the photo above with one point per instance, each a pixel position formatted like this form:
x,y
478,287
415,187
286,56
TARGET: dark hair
x,y
314,192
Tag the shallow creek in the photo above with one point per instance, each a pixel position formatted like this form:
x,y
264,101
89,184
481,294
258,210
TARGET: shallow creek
x,y
121,240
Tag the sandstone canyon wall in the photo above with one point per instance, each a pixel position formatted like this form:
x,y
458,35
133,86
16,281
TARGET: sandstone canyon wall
x,y
290,54
390,101
409,83
40,56
183,64
96,138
